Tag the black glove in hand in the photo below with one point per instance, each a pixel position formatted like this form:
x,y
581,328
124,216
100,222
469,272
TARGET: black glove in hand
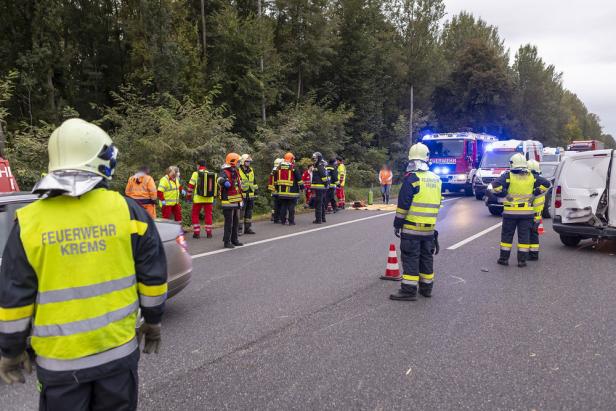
x,y
151,333
11,368
397,232
437,246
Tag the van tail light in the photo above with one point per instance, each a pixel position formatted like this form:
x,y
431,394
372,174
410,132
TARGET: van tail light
x,y
182,242
558,198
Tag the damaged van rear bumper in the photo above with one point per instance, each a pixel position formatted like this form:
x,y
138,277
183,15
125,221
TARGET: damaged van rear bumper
x,y
582,230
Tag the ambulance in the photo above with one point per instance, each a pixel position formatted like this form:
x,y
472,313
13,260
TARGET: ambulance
x,y
454,157
495,161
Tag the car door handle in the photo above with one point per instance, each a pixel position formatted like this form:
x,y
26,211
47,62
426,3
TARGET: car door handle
x,y
594,194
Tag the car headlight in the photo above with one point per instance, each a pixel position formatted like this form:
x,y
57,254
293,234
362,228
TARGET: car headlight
x,y
459,177
444,170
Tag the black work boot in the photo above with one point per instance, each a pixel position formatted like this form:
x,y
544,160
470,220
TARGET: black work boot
x,y
401,295
533,256
504,257
316,222
522,259
248,229
425,289
229,245
240,230
196,235
237,243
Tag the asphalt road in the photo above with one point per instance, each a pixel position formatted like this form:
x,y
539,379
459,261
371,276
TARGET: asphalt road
x,y
303,322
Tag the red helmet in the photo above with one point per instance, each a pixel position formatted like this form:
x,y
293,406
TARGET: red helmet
x,y
232,159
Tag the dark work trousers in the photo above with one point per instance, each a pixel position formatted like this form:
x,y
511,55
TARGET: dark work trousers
x,y
275,208
534,241
319,205
287,209
417,263
524,226
232,222
246,213
331,198
117,392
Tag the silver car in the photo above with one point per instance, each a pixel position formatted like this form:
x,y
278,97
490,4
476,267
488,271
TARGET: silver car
x,y
179,262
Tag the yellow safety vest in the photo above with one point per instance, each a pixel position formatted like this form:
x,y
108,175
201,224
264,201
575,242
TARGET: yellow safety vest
x,y
421,216
87,302
342,174
249,187
519,195
170,189
197,199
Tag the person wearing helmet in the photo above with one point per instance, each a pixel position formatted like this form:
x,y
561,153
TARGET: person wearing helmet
x,y
319,186
419,202
342,176
271,186
517,187
538,204
77,266
334,182
231,199
142,188
202,189
249,188
288,181
169,193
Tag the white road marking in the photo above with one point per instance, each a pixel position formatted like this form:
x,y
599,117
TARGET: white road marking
x,y
474,237
313,230
409,371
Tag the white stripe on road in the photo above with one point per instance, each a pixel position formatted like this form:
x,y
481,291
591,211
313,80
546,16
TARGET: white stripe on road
x,y
474,237
282,237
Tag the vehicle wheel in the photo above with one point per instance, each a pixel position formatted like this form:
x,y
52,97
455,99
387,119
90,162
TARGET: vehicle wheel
x,y
497,211
570,240
468,191
478,196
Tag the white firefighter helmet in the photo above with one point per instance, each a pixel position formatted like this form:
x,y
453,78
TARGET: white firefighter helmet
x,y
419,151
278,161
534,166
82,146
518,162
244,158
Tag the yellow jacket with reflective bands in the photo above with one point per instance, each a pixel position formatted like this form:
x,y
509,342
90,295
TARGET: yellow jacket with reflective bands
x,y
420,218
88,293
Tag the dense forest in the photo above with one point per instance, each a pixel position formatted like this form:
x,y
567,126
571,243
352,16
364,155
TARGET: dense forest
x,y
177,80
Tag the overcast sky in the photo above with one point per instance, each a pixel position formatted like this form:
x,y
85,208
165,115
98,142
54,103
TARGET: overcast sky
x,y
578,37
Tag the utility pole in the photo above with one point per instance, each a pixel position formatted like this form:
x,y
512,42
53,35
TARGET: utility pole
x,y
411,118
203,29
263,114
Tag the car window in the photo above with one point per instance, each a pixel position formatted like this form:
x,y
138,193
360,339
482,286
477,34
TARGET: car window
x,y
586,173
548,170
7,217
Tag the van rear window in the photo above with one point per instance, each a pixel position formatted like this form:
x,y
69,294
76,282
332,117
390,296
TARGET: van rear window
x,y
586,173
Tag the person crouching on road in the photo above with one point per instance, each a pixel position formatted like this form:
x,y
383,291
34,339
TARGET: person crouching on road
x,y
271,186
538,204
142,188
231,199
169,191
517,187
202,188
249,189
419,202
334,182
385,180
288,183
342,177
78,265
319,187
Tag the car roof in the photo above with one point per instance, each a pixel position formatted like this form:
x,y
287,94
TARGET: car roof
x,y
17,197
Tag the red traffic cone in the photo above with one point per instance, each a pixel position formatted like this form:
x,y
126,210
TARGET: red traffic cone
x,y
392,272
541,230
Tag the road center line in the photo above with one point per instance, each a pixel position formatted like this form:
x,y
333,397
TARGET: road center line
x,y
474,237
313,230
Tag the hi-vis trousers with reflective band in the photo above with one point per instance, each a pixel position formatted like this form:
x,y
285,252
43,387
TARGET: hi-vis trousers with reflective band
x,y
417,263
510,225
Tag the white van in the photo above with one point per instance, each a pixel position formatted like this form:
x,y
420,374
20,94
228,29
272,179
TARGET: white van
x,y
584,198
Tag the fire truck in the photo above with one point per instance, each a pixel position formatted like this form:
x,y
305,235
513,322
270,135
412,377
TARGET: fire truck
x,y
8,184
454,157
585,145
495,162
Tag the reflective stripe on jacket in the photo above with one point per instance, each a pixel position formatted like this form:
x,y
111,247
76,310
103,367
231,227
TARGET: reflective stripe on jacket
x,y
420,219
519,197
193,189
170,189
249,188
342,174
287,181
230,197
319,178
88,293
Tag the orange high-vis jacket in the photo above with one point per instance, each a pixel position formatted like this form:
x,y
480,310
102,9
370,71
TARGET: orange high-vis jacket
x,y
385,177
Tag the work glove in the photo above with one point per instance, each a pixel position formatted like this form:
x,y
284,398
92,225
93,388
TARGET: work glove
x,y
397,232
437,246
163,203
11,368
151,334
184,193
227,184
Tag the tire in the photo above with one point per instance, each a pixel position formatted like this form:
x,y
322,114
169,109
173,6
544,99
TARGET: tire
x,y
570,240
468,191
478,196
496,211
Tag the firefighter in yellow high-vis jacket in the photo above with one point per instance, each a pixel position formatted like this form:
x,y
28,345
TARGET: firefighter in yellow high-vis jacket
x,y
88,259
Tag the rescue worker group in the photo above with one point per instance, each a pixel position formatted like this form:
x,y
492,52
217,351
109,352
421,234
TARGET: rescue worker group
x,y
75,308
235,188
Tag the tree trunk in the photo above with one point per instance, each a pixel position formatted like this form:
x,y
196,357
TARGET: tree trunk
x,y
51,92
204,35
